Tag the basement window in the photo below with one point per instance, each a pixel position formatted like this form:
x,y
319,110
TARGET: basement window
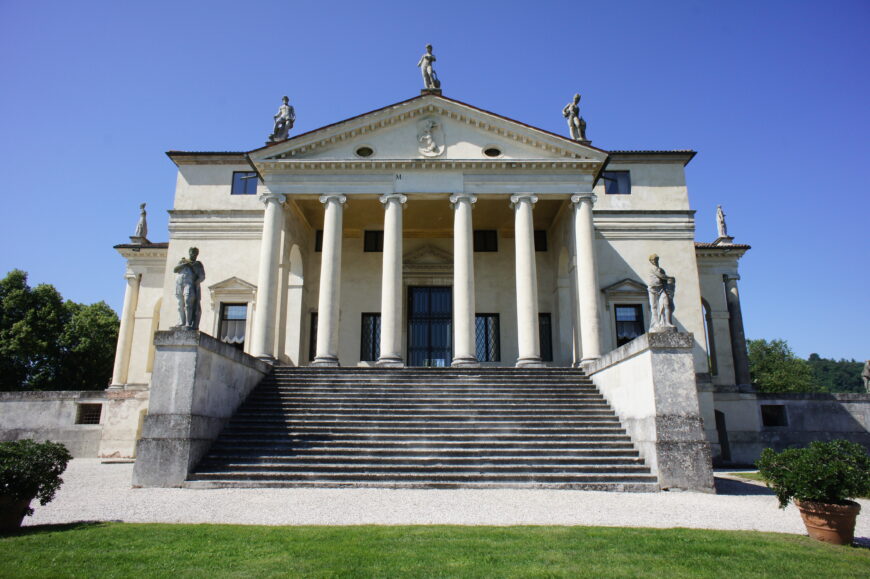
x,y
773,415
89,413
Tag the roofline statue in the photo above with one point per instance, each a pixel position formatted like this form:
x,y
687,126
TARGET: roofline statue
x,y
284,119
576,124
430,78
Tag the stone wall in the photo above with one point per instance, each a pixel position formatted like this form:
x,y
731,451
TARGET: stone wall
x,y
650,383
800,419
52,416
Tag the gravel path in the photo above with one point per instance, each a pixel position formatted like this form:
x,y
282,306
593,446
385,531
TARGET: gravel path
x,y
94,491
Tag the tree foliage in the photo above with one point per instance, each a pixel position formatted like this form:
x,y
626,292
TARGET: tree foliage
x,y
837,375
49,344
775,368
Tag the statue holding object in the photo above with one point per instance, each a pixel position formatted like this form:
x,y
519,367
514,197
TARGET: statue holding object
x,y
660,287
430,79
189,273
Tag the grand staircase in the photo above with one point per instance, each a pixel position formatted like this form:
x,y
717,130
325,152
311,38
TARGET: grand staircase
x,y
416,428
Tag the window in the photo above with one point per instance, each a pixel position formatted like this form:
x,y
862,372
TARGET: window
x,y
540,240
365,152
318,240
773,415
545,329
312,337
492,152
373,241
629,323
370,344
89,413
485,240
487,338
244,183
711,341
234,318
616,182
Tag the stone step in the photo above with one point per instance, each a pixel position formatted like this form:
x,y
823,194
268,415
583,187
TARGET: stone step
x,y
490,447
531,462
646,486
430,421
378,437
418,415
400,470
320,452
558,477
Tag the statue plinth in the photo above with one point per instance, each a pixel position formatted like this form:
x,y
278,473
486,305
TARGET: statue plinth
x,y
139,240
435,91
726,240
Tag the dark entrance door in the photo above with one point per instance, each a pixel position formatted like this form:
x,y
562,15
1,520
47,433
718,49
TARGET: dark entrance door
x,y
430,313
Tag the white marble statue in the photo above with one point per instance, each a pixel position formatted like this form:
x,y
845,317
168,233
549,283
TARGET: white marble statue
x,y
284,119
189,273
576,124
430,79
142,225
660,287
720,222
429,138
865,375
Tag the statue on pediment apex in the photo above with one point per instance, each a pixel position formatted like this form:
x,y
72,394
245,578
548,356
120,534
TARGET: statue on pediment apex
x,y
430,79
284,119
576,124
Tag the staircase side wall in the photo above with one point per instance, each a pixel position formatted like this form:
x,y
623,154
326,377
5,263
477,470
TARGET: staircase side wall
x,y
197,385
650,384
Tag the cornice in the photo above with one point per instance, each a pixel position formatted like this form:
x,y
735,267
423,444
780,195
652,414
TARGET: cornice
x,y
494,165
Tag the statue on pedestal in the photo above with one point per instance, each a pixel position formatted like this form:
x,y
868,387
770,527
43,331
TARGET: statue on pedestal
x,y
576,124
660,287
284,119
430,79
189,273
865,375
720,222
140,237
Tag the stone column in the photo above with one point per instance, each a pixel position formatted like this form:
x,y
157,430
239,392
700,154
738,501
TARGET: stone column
x,y
263,332
330,281
125,332
528,331
464,351
735,324
587,276
391,283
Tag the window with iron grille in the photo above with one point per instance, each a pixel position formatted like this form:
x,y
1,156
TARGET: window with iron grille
x,y
244,183
312,337
629,323
617,182
234,318
373,241
540,240
485,240
545,329
370,344
89,413
486,332
318,240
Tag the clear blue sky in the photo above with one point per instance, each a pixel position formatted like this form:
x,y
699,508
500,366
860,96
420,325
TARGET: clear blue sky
x,y
773,95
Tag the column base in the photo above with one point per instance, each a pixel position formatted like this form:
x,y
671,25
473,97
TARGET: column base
x,y
530,363
465,363
267,359
390,363
325,362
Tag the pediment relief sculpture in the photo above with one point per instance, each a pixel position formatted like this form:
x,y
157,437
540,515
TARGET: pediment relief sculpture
x,y
430,137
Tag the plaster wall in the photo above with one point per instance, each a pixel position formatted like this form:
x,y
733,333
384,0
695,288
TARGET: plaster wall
x,y
123,415
51,416
654,186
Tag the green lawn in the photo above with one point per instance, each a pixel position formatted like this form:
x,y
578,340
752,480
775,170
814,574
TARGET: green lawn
x,y
750,475
127,550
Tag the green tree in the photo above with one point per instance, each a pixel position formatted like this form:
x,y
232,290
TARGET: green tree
x,y
775,368
46,344
837,375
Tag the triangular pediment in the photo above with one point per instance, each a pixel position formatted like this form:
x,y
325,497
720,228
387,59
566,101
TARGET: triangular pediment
x,y
428,255
625,287
428,128
232,289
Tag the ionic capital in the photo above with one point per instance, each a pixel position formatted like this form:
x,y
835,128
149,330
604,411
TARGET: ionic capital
x,y
579,198
267,196
726,277
340,199
521,197
402,199
458,197
131,275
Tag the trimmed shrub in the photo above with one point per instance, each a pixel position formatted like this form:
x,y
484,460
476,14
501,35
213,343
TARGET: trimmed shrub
x,y
825,472
31,470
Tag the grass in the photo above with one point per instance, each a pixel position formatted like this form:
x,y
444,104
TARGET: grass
x,y
158,550
756,476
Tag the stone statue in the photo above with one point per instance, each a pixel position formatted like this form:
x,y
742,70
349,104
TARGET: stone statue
x,y
430,79
429,137
720,222
576,124
284,119
865,375
661,288
189,273
141,235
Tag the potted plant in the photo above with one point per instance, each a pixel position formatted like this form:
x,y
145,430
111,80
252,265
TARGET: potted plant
x,y
820,479
28,470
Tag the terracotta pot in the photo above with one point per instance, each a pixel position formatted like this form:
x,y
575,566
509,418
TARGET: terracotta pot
x,y
829,522
12,512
